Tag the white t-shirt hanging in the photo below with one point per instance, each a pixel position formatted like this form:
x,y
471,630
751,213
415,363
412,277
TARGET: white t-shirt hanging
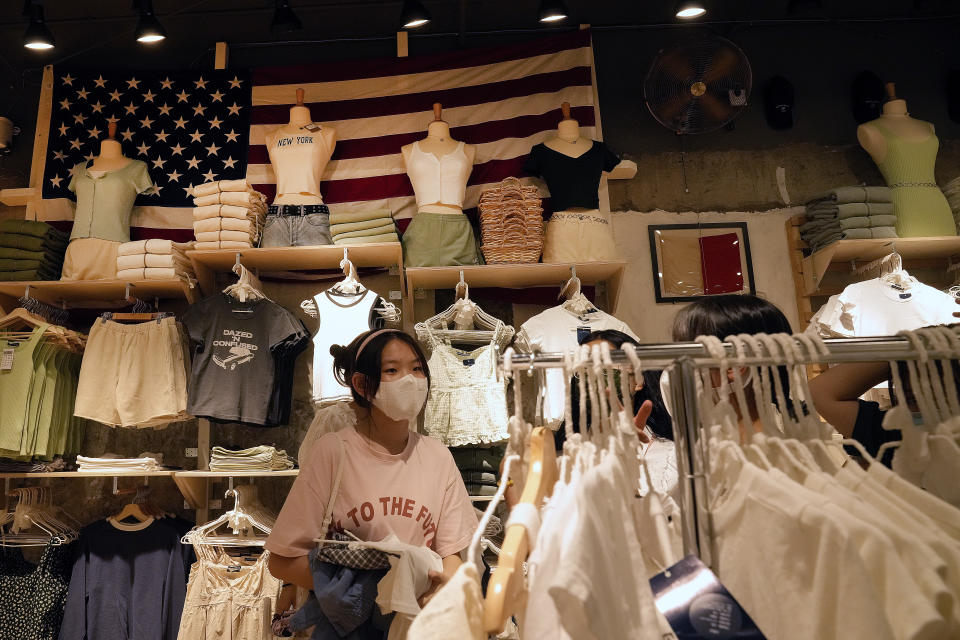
x,y
342,318
558,329
874,308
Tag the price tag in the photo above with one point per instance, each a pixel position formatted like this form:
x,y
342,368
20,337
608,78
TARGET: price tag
x,y
6,360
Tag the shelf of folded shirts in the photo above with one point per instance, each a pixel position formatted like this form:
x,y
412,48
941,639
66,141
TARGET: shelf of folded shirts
x,y
169,473
97,293
519,276
206,262
19,197
850,251
237,474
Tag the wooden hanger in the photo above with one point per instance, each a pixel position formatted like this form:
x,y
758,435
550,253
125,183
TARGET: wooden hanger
x,y
507,581
134,511
19,318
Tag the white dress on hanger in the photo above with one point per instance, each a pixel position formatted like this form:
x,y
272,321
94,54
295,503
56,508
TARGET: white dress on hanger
x,y
342,318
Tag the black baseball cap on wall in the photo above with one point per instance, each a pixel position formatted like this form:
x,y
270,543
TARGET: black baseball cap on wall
x,y
778,102
867,97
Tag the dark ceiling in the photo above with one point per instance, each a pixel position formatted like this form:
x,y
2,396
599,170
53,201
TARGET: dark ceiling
x,y
90,32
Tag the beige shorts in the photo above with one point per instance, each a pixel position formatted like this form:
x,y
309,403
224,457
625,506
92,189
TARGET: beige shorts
x,y
579,236
134,375
90,259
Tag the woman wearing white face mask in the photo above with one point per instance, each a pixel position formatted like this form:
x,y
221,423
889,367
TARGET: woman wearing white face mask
x,y
394,480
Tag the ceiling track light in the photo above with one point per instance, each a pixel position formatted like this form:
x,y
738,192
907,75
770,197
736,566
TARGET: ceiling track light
x,y
284,19
149,29
552,11
413,14
689,9
37,36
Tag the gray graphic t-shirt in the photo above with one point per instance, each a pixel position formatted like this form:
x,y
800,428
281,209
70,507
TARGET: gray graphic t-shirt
x,y
233,361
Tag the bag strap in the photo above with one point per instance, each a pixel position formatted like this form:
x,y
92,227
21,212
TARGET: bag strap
x,y
328,515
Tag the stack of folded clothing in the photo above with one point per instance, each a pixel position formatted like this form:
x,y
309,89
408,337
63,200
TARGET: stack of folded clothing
x,y
31,250
110,463
227,214
262,458
362,227
952,192
849,213
154,259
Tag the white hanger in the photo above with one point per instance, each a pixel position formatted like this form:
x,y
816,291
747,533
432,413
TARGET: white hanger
x,y
473,555
471,324
574,300
248,286
236,519
351,286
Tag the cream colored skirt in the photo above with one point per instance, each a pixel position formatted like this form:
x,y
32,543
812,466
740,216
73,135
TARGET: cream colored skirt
x,y
579,236
90,259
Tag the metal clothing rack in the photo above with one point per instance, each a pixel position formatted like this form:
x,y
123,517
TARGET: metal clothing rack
x,y
684,359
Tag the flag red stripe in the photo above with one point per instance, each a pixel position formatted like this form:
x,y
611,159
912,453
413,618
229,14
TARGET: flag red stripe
x,y
413,102
385,67
518,127
138,233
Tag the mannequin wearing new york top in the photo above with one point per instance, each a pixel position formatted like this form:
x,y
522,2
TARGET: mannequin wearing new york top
x,y
439,167
572,166
299,152
905,150
106,190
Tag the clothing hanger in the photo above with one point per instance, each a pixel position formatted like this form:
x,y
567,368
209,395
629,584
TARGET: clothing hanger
x,y
132,510
351,287
473,554
505,584
471,324
236,519
248,286
574,300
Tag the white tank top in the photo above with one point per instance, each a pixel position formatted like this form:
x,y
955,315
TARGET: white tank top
x,y
298,161
342,318
442,180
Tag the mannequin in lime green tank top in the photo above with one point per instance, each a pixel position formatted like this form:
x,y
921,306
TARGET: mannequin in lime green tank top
x,y
905,150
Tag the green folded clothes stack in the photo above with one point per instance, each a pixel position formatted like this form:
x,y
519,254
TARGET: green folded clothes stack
x,y
31,250
362,227
849,213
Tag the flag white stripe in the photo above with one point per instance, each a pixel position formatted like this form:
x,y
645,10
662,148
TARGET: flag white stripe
x,y
285,94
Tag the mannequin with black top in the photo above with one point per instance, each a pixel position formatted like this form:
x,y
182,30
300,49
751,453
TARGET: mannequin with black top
x,y
299,152
106,190
905,150
439,167
572,166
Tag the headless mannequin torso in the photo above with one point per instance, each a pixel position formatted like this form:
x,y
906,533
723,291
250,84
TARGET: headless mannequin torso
x,y
897,121
569,142
299,131
439,143
111,155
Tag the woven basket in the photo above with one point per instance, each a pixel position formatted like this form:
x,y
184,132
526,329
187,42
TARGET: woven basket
x,y
511,223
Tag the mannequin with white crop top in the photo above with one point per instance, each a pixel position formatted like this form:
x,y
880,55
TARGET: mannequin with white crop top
x,y
905,150
299,152
105,191
572,166
439,167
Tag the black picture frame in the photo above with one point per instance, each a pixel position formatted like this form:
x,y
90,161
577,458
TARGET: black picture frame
x,y
715,228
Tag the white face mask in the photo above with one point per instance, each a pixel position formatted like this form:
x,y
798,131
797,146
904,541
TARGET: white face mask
x,y
402,399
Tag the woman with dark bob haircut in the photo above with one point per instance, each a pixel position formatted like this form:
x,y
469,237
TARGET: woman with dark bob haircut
x,y
393,481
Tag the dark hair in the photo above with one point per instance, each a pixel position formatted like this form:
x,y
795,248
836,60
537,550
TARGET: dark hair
x,y
726,315
659,421
346,363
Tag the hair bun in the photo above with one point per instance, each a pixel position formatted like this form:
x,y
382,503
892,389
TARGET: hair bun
x,y
338,351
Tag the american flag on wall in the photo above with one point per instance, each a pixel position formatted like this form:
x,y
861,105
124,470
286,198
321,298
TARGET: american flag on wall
x,y
503,100
188,127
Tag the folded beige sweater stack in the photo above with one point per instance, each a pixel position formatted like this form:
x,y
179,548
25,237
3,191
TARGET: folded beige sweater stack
x,y
154,259
227,214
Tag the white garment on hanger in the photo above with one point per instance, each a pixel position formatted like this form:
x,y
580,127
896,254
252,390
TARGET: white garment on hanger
x,y
456,611
342,318
556,330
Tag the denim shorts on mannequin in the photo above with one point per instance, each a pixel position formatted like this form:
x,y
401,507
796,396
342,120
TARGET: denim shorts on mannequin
x,y
296,226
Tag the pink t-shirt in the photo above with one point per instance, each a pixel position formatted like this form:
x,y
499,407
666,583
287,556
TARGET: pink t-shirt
x,y
418,495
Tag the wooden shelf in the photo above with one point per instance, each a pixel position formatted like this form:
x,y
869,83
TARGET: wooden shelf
x,y
17,197
93,474
816,264
208,261
98,293
238,474
517,276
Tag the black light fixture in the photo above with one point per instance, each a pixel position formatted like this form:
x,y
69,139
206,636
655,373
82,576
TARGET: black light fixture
x,y
284,19
149,29
37,35
553,11
413,14
689,9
